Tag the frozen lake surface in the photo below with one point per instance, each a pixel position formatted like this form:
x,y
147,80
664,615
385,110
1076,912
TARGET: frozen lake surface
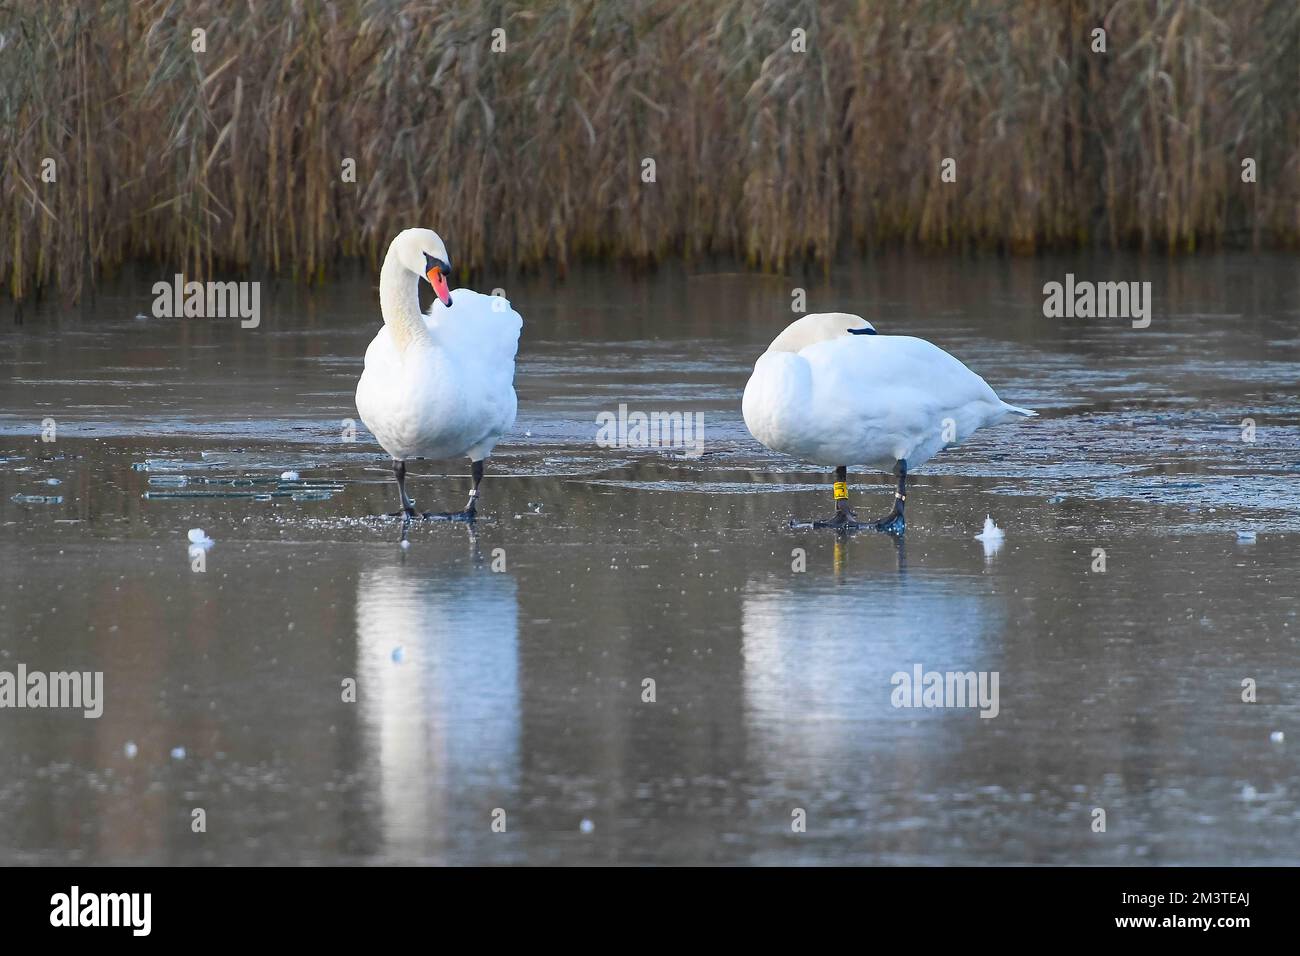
x,y
503,668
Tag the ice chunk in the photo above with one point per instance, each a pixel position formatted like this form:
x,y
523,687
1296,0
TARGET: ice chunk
x,y
586,826
288,476
175,464
1277,736
1246,537
991,537
199,539
178,753
130,750
255,495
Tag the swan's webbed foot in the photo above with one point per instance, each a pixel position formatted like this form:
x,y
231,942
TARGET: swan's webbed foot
x,y
845,520
892,523
469,515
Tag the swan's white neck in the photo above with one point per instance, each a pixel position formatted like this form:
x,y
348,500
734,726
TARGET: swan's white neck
x,y
399,301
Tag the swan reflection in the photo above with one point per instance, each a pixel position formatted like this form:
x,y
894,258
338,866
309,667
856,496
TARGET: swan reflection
x,y
818,655
437,662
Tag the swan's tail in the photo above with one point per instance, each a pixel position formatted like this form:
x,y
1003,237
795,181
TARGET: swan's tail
x,y
1016,409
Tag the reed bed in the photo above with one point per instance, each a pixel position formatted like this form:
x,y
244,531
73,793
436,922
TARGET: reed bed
x,y
230,160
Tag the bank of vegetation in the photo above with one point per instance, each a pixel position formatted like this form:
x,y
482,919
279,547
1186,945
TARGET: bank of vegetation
x,y
234,158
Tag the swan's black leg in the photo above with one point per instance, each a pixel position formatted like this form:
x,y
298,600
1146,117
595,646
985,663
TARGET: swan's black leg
x,y
476,472
408,506
471,511
893,522
845,519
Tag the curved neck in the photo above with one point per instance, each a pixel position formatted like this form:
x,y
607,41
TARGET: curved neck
x,y
399,301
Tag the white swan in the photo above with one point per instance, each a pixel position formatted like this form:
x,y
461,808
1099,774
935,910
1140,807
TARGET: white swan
x,y
441,384
830,391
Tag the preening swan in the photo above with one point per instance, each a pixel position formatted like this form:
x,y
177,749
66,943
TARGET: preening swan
x,y
441,384
830,391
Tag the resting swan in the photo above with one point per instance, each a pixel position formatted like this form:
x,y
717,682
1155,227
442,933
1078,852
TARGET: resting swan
x,y
441,384
830,391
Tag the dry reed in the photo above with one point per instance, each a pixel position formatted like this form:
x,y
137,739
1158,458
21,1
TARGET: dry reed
x,y
231,159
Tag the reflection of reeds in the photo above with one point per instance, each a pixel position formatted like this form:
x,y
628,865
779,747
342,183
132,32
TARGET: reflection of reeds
x,y
231,158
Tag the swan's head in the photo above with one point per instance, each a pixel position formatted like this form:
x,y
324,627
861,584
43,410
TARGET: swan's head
x,y
423,252
818,327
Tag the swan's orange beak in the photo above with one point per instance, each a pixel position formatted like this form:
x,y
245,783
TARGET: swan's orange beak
x,y
439,283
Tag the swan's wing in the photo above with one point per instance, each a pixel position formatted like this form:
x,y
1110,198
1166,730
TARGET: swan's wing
x,y
898,392
878,371
381,353
382,368
479,337
481,329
